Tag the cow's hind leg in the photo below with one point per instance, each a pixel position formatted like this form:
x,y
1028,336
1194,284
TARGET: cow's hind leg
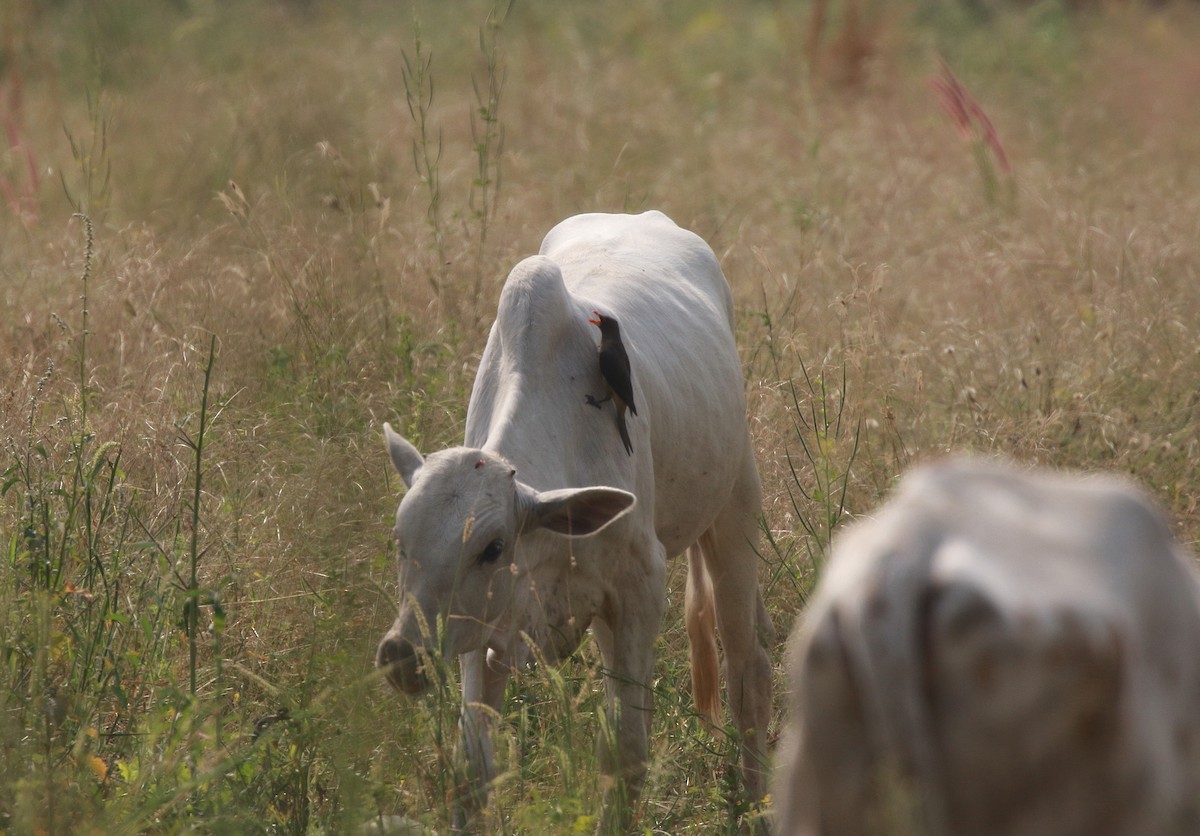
x,y
729,548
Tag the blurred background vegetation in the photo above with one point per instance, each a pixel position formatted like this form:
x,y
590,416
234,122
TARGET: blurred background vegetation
x,y
235,237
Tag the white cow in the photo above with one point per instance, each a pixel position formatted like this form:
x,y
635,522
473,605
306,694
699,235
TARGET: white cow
x,y
998,652
532,527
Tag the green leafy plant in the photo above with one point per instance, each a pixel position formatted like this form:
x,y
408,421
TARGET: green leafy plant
x,y
820,471
487,133
93,192
426,153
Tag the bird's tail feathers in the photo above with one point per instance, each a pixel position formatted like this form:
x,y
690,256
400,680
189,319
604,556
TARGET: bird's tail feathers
x,y
621,428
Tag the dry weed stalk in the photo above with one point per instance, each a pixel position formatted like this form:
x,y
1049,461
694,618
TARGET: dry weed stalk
x,y
976,129
20,193
853,44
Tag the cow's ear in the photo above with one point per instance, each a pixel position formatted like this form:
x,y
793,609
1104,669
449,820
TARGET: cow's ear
x,y
406,458
575,512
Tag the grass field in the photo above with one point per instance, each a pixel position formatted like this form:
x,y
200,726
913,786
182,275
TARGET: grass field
x,y
237,237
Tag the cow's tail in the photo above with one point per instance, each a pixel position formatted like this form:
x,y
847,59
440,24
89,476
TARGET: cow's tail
x,y
700,614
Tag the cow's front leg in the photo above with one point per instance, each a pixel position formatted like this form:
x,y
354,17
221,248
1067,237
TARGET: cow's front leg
x,y
482,699
627,645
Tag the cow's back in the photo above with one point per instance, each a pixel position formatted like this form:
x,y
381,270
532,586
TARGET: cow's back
x,y
676,312
1019,654
616,257
665,288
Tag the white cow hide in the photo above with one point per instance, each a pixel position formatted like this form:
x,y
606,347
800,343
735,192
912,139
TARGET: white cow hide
x,y
998,652
531,528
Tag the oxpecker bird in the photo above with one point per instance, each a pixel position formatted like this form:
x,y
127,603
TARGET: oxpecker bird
x,y
614,368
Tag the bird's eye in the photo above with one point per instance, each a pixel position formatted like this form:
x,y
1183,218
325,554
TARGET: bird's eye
x,y
492,552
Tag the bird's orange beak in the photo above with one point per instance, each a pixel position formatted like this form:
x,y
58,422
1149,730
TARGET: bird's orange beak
x,y
595,321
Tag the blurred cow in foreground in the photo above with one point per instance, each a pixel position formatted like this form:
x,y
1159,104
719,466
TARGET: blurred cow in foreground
x,y
998,652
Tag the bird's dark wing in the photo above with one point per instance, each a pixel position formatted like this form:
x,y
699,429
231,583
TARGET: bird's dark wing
x,y
614,365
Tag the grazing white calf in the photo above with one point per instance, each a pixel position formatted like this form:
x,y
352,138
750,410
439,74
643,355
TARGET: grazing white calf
x,y
998,652
532,527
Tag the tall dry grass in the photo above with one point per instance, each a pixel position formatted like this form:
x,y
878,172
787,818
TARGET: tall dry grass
x,y
264,251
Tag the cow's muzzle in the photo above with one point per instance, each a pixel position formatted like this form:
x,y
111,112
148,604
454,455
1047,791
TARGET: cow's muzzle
x,y
404,665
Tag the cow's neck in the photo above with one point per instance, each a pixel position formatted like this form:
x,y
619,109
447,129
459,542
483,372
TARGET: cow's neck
x,y
538,449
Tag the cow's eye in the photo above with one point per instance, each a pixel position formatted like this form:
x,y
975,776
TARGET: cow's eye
x,y
492,552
